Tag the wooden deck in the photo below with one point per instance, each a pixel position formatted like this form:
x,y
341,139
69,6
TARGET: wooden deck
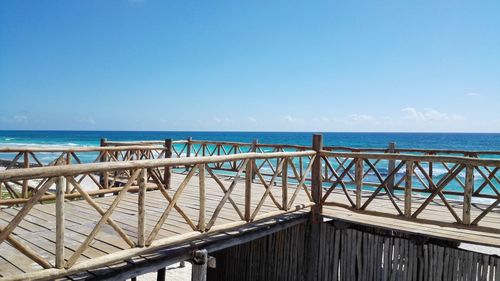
x,y
37,230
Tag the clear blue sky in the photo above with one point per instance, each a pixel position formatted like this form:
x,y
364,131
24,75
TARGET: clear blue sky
x,y
250,65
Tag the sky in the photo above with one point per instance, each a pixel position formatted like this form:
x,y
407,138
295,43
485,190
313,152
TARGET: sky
x,y
391,66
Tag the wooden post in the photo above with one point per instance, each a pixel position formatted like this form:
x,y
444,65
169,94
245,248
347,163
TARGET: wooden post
x,y
284,184
431,172
188,149
104,178
68,162
408,187
248,189
314,246
160,274
317,182
253,148
24,191
202,211
235,163
358,178
199,270
60,189
142,208
168,170
469,187
391,167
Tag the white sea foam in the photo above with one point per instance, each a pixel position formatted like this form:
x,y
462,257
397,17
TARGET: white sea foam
x,y
51,145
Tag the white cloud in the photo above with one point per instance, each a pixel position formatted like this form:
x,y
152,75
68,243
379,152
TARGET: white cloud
x,y
251,119
362,118
89,120
473,94
429,115
290,119
20,118
321,119
221,120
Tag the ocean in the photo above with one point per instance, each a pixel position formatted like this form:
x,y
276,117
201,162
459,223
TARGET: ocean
x,y
452,141
458,141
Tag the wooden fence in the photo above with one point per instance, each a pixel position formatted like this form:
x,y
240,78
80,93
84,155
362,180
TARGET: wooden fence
x,y
347,254
143,176
467,181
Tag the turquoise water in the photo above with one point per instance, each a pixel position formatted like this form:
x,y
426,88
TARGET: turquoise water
x,y
453,141
459,141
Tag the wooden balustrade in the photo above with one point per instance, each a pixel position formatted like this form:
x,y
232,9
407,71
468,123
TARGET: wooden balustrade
x,y
467,188
464,182
145,176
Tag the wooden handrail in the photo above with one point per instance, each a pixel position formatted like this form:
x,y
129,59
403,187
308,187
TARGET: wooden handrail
x,y
12,149
423,158
413,150
68,170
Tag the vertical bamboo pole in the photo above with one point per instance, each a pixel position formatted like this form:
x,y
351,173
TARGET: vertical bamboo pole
x,y
284,184
317,184
143,176
60,188
248,189
202,211
167,174
24,191
391,167
469,187
408,187
358,178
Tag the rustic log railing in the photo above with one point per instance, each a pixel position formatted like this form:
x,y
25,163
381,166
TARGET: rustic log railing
x,y
468,188
13,192
465,182
143,176
24,157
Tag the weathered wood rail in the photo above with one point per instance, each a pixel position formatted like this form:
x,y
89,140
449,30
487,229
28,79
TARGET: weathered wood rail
x,y
273,180
144,175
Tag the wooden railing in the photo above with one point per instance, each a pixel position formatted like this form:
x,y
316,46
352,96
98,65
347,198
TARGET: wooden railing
x,y
110,151
468,188
13,192
465,182
143,176
197,148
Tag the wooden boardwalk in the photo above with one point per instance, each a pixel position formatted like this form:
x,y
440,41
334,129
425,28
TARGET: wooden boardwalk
x,y
38,228
142,208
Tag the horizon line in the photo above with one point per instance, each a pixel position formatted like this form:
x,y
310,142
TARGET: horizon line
x,y
243,131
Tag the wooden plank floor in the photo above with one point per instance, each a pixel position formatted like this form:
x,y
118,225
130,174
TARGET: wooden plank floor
x,y
37,230
435,221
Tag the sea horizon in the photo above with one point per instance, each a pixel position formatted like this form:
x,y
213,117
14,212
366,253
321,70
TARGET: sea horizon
x,y
427,140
